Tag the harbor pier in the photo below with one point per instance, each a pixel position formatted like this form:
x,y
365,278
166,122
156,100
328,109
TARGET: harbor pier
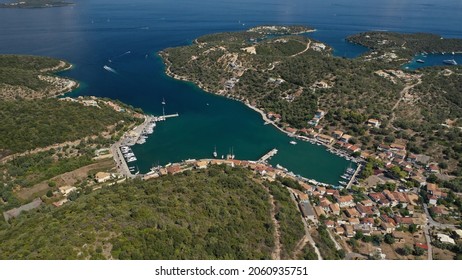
x,y
268,155
353,177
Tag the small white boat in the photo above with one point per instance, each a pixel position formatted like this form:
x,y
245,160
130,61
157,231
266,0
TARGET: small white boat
x,y
131,159
293,142
450,62
107,68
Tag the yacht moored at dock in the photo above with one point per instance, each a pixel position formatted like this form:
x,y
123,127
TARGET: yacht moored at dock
x,y
450,62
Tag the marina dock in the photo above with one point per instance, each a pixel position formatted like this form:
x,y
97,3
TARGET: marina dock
x,y
137,135
164,117
350,182
268,155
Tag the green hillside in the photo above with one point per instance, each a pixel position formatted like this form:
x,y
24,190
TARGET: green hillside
x,y
221,213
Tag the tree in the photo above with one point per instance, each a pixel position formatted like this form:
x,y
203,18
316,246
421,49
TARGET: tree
x,y
418,251
359,235
406,250
377,239
389,239
412,228
443,165
49,193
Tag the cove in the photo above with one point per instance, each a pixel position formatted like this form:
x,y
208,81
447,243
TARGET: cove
x,y
207,121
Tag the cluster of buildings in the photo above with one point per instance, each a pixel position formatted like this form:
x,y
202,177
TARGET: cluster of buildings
x,y
100,177
263,169
347,214
94,101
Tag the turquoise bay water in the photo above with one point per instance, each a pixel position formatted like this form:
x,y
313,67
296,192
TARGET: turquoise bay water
x,y
91,33
432,60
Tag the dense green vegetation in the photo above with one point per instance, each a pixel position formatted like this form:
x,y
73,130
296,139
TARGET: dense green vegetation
x,y
35,4
326,245
220,213
308,253
31,121
406,44
289,218
295,98
19,76
28,125
280,77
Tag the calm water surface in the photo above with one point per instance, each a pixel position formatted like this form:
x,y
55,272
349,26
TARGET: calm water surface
x,y
91,33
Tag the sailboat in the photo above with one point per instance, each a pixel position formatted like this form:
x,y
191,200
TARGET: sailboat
x,y
215,152
163,101
230,155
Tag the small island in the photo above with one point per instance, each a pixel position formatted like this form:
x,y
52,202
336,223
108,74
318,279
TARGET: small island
x,y
32,4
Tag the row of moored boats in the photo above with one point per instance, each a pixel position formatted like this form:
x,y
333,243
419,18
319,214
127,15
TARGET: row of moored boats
x,y
128,154
149,129
347,176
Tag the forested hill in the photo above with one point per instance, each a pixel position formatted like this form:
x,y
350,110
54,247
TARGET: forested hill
x,y
293,76
42,136
31,77
220,213
32,120
407,44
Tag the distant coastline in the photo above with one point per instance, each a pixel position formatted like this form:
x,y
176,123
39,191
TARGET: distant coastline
x,y
35,4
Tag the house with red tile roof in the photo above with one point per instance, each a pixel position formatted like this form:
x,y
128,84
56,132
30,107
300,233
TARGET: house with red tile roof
x,y
388,227
349,231
339,230
367,221
329,224
332,192
346,138
345,201
397,147
337,134
335,208
324,203
365,211
352,213
173,169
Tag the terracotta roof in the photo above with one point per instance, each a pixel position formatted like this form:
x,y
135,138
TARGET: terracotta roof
x,y
432,187
353,221
421,245
334,207
346,198
397,146
352,212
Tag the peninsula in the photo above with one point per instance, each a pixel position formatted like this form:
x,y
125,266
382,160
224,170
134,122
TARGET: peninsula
x,y
32,4
303,89
401,125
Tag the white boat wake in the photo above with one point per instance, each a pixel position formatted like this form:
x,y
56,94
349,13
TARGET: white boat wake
x,y
107,68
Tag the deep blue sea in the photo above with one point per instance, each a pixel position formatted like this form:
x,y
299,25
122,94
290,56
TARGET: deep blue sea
x,y
91,33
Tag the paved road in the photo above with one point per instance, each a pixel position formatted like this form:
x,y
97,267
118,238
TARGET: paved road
x,y
121,164
429,245
434,223
307,227
337,246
